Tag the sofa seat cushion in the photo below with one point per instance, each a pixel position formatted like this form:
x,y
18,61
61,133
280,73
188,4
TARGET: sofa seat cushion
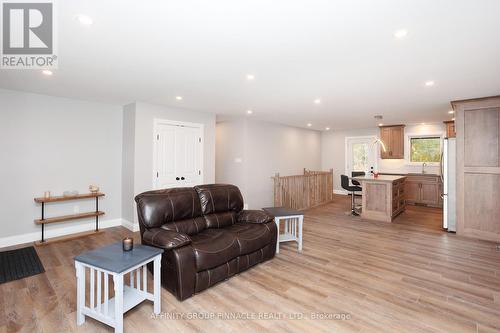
x,y
251,237
214,247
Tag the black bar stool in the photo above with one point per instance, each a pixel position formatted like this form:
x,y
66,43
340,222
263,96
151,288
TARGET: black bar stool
x,y
344,181
357,174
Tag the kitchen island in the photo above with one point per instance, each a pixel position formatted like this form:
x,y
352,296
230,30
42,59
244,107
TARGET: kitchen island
x,y
383,197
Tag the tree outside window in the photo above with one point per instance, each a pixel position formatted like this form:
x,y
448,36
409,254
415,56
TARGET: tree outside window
x,y
359,156
425,149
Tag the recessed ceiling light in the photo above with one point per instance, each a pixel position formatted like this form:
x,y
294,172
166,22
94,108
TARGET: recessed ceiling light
x,y
309,124
84,19
327,128
429,83
451,112
317,101
453,118
47,72
250,77
179,98
249,111
423,124
381,124
401,33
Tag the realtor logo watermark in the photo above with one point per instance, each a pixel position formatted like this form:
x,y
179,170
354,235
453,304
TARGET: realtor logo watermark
x,y
28,35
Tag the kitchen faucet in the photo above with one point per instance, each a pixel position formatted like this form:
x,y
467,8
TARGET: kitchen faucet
x,y
423,167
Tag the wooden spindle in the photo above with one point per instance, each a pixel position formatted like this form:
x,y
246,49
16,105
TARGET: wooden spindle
x,y
99,276
92,286
106,293
144,279
138,273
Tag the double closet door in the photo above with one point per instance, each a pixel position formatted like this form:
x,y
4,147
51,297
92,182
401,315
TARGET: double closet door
x,y
178,154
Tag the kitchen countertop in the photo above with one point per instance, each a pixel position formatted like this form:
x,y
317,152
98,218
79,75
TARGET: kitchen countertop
x,y
380,178
409,174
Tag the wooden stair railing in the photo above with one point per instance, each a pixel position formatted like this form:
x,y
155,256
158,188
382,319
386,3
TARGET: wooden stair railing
x,y
311,189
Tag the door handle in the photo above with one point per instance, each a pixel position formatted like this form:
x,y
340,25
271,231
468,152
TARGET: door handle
x,y
182,178
177,178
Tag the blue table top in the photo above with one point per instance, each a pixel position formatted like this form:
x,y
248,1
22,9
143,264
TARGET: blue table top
x,y
112,257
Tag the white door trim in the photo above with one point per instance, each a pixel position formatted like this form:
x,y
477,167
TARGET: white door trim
x,y
157,122
346,153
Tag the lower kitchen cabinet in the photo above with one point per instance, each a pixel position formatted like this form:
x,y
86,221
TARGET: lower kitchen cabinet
x,y
424,190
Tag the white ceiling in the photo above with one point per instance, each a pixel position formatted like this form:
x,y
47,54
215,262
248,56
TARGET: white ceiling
x,y
342,52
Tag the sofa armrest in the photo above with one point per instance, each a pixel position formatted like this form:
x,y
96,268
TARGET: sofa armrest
x,y
165,239
254,216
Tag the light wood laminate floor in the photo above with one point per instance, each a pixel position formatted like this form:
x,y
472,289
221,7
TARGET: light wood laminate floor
x,y
408,276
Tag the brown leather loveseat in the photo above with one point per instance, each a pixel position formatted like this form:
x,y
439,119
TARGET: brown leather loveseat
x,y
206,235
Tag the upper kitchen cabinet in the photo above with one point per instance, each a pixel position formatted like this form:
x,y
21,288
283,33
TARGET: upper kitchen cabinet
x,y
393,138
450,128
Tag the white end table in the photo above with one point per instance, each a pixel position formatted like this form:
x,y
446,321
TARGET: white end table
x,y
113,261
294,221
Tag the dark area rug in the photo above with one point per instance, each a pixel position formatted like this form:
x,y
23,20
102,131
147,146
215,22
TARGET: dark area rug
x,y
18,264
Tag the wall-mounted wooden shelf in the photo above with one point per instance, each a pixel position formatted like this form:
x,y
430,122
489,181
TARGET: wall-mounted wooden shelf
x,y
68,198
43,221
69,217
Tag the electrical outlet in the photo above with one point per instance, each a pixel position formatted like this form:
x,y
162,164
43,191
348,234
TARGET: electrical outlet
x,y
76,209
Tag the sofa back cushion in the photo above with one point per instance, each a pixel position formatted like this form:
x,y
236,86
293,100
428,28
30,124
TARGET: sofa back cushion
x,y
219,198
176,209
188,226
221,220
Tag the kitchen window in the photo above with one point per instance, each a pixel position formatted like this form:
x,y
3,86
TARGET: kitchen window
x,y
425,149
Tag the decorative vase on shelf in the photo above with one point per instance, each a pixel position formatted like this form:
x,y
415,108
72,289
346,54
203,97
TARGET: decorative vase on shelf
x,y
93,189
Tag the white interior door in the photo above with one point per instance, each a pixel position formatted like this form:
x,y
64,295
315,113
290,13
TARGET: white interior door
x,y
361,154
178,155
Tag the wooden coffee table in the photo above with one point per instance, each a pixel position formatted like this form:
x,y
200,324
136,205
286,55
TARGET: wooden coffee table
x,y
293,219
113,261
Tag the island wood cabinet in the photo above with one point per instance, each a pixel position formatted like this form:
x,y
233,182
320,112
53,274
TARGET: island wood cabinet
x,y
423,190
478,167
393,138
383,197
450,128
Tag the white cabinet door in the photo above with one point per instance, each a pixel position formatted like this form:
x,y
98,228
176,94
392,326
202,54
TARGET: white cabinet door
x,y
178,155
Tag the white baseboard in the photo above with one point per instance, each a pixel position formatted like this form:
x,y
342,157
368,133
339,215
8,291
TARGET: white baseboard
x,y
51,232
342,192
130,225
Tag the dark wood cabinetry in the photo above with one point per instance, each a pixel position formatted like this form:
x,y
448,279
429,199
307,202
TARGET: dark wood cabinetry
x,y
393,139
424,190
450,128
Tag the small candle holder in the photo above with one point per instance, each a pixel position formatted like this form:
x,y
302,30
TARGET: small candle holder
x,y
46,194
128,244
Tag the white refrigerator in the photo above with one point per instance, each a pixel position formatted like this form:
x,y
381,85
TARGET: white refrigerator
x,y
448,176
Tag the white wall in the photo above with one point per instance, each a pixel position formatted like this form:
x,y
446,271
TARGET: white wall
x,y
128,162
230,153
139,119
56,144
333,151
250,152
